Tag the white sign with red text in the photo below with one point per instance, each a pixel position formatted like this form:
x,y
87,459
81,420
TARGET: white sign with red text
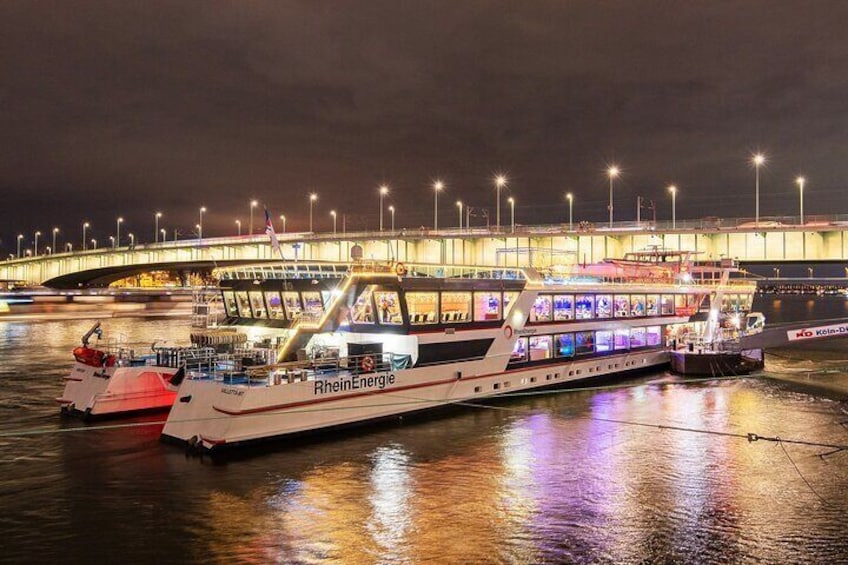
x,y
818,331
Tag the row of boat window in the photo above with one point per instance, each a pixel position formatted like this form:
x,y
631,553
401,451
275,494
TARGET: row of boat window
x,y
273,305
540,347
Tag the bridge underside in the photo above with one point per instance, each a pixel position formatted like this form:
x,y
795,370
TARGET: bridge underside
x,y
106,275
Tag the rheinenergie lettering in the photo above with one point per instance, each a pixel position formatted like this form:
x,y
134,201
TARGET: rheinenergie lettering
x,y
355,382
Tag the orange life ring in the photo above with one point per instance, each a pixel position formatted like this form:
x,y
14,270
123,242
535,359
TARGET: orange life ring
x,y
367,364
400,269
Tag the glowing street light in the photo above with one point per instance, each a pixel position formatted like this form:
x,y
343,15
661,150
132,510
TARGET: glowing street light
x,y
55,231
69,247
511,201
199,229
392,211
85,226
238,223
673,190
459,209
20,238
437,187
800,181
112,240
570,198
48,250
312,198
164,234
613,173
35,252
384,190
758,160
200,225
500,182
132,239
333,214
283,219
156,228
118,223
93,243
253,204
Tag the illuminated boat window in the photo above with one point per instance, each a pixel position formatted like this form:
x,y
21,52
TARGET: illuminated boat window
x,y
680,302
667,305
423,307
257,304
487,306
388,308
243,304
584,342
541,347
654,334
652,307
637,305
622,339
584,307
508,299
621,306
638,337
563,307
565,345
542,310
456,307
603,306
313,306
291,302
275,306
230,303
519,351
362,311
603,341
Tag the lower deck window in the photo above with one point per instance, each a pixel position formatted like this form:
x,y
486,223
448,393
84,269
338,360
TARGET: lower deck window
x,y
519,351
456,307
243,305
603,341
275,305
584,342
654,335
361,312
257,304
565,345
638,337
541,347
423,307
294,309
313,306
388,308
230,303
622,339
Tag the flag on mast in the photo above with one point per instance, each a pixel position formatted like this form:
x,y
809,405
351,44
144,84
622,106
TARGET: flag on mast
x,y
269,231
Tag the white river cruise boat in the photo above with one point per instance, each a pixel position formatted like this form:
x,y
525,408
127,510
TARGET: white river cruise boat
x,y
348,344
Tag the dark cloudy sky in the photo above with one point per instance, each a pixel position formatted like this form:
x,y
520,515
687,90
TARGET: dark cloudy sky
x,y
130,107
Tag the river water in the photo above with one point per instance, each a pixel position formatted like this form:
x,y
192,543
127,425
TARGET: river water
x,y
559,477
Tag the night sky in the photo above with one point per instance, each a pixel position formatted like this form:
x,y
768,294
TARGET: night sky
x,y
125,108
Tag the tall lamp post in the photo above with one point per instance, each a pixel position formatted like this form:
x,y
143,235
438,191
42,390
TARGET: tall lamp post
x,y
112,240
437,187
55,231
613,173
94,244
511,201
35,252
283,219
253,204
500,182
312,198
801,181
164,234
459,208
85,226
333,214
570,198
20,238
156,226
200,225
118,223
758,161
132,239
384,190
392,212
238,223
673,190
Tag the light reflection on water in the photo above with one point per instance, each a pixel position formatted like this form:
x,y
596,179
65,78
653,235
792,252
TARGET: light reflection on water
x,y
555,478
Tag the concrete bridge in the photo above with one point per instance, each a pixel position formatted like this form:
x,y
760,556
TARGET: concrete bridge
x,y
771,242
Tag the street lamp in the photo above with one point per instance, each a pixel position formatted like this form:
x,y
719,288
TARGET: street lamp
x,y
333,214
69,246
238,223
118,223
20,237
500,182
312,198
199,229
392,210
112,239
55,231
613,173
437,187
511,201
283,219
673,190
384,190
459,210
758,161
801,181
200,225
35,252
132,240
85,225
570,198
164,234
253,204
93,243
156,229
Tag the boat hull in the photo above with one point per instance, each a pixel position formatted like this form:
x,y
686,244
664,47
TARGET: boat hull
x,y
715,364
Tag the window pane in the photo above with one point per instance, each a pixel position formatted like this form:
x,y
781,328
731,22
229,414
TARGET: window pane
x,y
638,337
257,304
362,312
456,307
313,306
487,306
423,307
565,345
603,306
584,306
622,339
622,305
637,305
291,301
388,308
680,301
542,309
654,336
653,306
667,308
519,351
541,347
584,342
275,305
243,304
603,341
230,303
508,299
563,307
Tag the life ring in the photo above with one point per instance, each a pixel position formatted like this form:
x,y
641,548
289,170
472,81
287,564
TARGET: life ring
x,y
508,332
400,269
367,364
